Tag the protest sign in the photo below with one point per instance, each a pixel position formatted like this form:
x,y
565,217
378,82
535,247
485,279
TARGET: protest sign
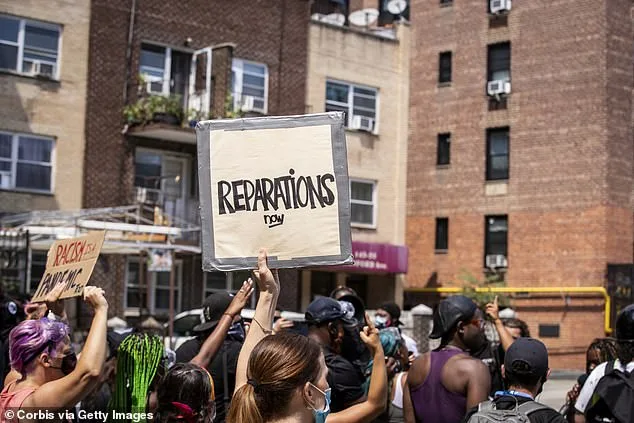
x,y
274,182
70,261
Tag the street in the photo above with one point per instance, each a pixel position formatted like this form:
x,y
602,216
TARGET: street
x,y
555,390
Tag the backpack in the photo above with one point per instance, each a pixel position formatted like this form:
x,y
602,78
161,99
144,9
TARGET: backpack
x,y
487,413
613,398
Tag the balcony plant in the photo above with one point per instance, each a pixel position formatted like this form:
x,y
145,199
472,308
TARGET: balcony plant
x,y
151,107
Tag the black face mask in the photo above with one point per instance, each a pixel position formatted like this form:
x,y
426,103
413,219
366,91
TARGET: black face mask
x,y
68,363
353,349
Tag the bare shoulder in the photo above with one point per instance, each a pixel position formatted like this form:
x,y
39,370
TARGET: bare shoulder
x,y
418,370
469,365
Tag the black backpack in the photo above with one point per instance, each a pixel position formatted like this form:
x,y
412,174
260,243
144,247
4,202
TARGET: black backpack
x,y
613,398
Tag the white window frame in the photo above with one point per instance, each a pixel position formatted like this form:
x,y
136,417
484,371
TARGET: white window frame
x,y
237,67
373,203
350,103
15,137
151,280
20,43
167,71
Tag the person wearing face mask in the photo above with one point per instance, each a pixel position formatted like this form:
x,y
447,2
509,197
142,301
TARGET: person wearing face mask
x,y
442,385
525,371
51,376
217,346
387,316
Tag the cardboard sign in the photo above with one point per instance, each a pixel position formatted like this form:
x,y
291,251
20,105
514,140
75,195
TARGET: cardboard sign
x,y
70,261
274,182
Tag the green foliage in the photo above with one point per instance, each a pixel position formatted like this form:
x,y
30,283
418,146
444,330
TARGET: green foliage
x,y
146,107
470,282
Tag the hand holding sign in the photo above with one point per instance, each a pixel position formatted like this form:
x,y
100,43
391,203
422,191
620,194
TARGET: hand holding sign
x,y
268,281
95,297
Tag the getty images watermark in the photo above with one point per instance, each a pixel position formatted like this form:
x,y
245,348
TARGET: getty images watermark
x,y
73,415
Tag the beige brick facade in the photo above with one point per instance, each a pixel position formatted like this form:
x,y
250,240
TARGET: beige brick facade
x,y
54,109
366,59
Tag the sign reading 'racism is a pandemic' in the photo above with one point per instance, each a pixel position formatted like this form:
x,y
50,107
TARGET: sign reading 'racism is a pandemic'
x,y
71,262
274,182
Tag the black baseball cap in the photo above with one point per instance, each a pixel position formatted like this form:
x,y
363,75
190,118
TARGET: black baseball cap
x,y
213,308
625,324
526,357
394,311
325,309
450,311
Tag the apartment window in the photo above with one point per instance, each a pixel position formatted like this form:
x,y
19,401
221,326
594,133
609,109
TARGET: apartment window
x,y
442,234
38,267
136,291
444,67
497,154
496,238
499,62
165,71
363,203
443,151
29,47
359,104
250,82
26,162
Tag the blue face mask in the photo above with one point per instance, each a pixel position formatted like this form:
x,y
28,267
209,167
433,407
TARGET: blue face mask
x,y
380,322
320,415
236,331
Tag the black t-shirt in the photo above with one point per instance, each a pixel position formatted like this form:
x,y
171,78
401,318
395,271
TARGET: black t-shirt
x,y
490,356
547,415
344,379
231,350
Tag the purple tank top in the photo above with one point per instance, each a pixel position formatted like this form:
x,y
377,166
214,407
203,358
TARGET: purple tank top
x,y
433,403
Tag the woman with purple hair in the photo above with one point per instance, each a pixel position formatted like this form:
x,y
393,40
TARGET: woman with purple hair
x,y
51,377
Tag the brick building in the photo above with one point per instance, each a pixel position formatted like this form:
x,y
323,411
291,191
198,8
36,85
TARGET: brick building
x,y
43,85
156,56
530,176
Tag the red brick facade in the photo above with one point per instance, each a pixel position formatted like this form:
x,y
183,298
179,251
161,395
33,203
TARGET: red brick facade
x,y
568,197
269,32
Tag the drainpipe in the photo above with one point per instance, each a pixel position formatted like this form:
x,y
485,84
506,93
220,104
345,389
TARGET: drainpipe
x,y
550,290
128,53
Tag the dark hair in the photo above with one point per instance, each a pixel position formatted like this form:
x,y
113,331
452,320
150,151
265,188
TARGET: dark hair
x,y
625,350
607,349
189,385
519,324
521,374
278,365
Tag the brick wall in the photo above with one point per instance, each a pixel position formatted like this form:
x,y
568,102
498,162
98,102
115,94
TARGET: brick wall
x,y
568,197
275,35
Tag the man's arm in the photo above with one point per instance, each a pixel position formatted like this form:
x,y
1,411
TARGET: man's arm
x,y
493,310
478,382
408,407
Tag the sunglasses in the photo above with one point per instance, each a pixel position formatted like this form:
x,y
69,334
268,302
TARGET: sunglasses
x,y
480,323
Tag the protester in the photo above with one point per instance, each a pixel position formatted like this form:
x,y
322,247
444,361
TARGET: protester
x,y
600,351
217,346
186,394
388,315
51,376
326,325
353,348
516,327
525,371
492,355
283,377
442,385
597,400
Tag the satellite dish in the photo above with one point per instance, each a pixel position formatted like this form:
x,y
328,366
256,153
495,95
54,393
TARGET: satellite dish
x,y
363,17
335,19
396,7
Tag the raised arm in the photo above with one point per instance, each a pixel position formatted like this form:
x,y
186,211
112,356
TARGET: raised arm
x,y
72,388
262,322
493,310
377,393
214,341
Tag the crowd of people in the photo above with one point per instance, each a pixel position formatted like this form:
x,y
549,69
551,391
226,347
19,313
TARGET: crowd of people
x,y
346,367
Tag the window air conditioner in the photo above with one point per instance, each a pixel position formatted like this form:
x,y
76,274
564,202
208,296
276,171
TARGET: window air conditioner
x,y
496,261
362,123
499,87
5,180
247,103
499,6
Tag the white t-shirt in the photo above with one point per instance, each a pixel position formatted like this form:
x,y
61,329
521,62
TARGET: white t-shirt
x,y
410,344
591,383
